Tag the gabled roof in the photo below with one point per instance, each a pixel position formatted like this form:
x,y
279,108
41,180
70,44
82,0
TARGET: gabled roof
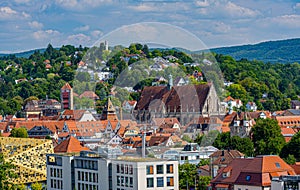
x,y
70,145
66,86
256,171
225,156
89,94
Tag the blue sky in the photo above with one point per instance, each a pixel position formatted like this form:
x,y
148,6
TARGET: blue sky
x,y
30,24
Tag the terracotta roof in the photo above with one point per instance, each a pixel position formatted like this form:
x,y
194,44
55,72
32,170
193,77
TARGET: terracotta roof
x,y
169,121
157,140
296,168
238,164
70,145
256,171
51,125
288,121
222,157
3,126
66,86
228,98
89,94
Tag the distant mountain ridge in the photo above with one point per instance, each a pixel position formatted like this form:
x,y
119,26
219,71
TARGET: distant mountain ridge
x,y
280,51
25,54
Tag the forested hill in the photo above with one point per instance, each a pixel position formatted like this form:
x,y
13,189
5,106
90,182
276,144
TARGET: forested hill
x,y
281,51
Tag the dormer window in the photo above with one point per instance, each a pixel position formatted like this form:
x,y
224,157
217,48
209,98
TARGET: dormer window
x,y
248,177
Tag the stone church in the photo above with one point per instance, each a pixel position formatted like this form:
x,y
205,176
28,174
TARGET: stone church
x,y
183,102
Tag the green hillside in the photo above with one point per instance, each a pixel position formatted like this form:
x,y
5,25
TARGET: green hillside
x,y
282,51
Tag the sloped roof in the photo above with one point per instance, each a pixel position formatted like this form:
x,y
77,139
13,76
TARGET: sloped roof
x,y
89,94
225,156
66,86
70,145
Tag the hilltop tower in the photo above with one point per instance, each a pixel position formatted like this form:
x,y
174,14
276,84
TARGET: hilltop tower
x,y
66,96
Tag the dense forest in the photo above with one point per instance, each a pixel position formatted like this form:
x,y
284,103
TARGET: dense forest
x,y
42,74
280,51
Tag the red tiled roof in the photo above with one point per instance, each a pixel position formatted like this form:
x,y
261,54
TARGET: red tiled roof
x,y
89,94
70,145
66,86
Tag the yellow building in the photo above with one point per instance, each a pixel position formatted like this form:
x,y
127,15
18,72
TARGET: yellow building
x,y
29,157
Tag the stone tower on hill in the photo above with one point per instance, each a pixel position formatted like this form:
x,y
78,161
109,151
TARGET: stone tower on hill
x,y
66,96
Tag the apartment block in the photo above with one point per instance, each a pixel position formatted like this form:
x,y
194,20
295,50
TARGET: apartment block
x,y
92,171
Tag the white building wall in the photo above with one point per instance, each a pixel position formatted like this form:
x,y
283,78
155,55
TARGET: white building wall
x,y
247,187
59,172
139,175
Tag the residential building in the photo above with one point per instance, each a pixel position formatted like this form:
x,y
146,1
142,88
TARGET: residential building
x,y
222,158
144,173
286,182
242,124
251,173
295,104
91,170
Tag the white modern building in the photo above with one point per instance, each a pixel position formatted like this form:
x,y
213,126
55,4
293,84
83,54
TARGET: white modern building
x,y
59,171
144,173
92,171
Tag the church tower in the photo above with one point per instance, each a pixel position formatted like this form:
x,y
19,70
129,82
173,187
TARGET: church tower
x,y
66,96
109,112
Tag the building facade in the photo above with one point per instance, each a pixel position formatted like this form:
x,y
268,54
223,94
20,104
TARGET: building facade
x,y
93,171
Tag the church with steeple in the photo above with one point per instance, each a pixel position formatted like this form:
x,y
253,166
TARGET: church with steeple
x,y
109,112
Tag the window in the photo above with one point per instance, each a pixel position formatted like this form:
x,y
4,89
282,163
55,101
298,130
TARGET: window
x,y
169,168
248,177
149,170
118,180
126,182
78,173
150,182
170,181
160,182
122,168
118,168
277,165
160,169
131,181
130,169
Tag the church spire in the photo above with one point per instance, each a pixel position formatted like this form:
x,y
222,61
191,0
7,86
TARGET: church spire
x,y
109,112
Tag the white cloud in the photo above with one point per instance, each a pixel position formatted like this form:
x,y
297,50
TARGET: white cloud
x,y
22,1
220,27
225,9
96,34
35,25
81,4
78,39
297,6
7,13
82,28
202,3
45,34
143,7
290,21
